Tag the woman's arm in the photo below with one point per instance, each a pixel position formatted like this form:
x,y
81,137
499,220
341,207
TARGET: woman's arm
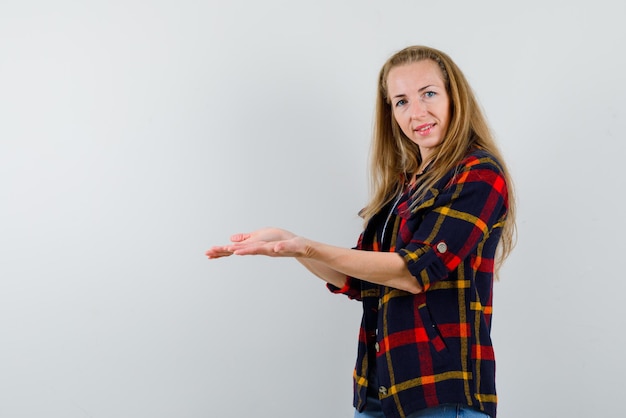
x,y
328,262
324,272
385,268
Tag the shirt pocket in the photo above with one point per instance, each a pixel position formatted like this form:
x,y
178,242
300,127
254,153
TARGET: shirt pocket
x,y
430,327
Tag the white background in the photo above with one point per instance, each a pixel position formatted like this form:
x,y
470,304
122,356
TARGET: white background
x,y
136,134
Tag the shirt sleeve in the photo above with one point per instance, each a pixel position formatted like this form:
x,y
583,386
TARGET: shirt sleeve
x,y
352,288
450,224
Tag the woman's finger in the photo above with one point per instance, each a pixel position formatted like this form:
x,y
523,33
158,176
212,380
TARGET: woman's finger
x,y
217,252
240,237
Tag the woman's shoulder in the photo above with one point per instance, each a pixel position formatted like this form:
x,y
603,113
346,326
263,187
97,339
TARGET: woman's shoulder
x,y
479,159
478,165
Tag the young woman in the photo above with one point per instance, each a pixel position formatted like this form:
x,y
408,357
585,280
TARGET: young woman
x,y
439,222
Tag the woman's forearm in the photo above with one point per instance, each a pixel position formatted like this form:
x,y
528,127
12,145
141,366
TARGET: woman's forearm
x,y
324,272
386,268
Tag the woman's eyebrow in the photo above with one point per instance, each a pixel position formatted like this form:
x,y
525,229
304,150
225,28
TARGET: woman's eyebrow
x,y
419,90
426,87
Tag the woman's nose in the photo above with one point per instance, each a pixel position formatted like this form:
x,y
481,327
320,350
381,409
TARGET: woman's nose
x,y
418,108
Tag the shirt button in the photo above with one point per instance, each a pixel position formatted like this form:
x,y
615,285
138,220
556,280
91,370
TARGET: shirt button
x,y
380,303
382,390
377,347
442,247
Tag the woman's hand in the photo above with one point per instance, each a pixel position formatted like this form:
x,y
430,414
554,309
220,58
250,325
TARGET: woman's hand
x,y
273,242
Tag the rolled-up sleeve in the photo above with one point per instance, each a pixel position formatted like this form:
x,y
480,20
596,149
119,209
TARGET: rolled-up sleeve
x,y
451,226
352,288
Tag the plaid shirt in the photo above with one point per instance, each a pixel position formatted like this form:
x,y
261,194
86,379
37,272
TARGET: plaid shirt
x,y
434,347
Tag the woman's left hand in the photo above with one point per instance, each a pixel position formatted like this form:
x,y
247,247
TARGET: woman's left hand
x,y
273,242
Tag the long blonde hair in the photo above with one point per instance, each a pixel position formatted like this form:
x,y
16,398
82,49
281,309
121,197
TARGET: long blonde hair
x,y
394,155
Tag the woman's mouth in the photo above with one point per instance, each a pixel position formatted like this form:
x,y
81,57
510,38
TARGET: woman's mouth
x,y
424,129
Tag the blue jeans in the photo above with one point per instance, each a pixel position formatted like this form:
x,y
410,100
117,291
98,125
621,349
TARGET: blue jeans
x,y
373,410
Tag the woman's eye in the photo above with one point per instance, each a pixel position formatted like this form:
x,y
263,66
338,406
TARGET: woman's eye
x,y
430,94
400,102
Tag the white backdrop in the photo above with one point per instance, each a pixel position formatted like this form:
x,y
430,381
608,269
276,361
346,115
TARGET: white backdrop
x,y
136,134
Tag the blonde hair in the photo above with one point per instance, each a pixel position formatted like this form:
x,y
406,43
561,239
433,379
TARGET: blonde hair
x,y
394,155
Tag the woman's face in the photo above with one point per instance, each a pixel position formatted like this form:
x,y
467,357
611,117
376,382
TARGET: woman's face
x,y
420,103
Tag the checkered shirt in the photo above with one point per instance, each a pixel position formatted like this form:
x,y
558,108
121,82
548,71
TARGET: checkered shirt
x,y
434,347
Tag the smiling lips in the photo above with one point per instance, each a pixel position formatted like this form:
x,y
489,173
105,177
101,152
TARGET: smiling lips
x,y
424,129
